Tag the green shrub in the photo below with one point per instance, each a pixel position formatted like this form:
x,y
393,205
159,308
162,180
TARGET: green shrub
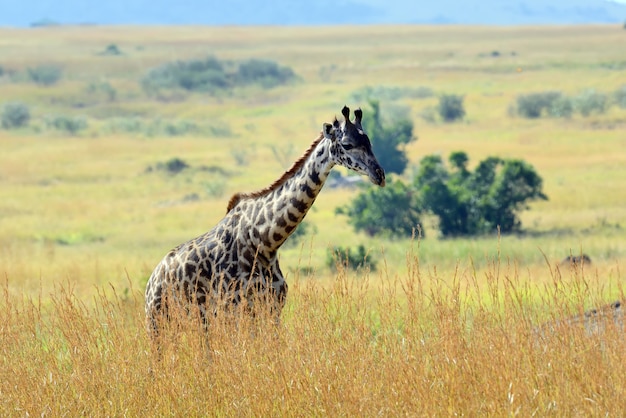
x,y
111,49
172,166
124,125
451,107
195,75
69,124
103,88
392,210
216,189
346,258
179,128
534,104
590,101
160,127
562,107
241,156
478,202
266,73
15,115
45,75
212,76
620,96
429,114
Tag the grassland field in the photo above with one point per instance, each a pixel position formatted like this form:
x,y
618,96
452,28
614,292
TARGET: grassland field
x,y
86,217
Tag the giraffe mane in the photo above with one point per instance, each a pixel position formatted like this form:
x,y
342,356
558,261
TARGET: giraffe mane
x,y
237,197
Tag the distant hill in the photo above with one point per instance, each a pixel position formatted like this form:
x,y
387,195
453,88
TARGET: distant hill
x,y
311,12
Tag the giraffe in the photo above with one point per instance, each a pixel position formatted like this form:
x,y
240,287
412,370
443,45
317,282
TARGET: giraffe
x,y
236,263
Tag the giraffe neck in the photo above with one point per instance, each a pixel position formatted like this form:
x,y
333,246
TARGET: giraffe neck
x,y
276,214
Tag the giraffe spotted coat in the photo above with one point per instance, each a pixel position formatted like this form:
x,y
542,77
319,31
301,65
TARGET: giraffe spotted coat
x,y
236,261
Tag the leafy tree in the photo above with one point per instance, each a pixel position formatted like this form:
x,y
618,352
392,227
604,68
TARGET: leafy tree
x,y
469,203
442,194
451,107
389,139
514,185
392,210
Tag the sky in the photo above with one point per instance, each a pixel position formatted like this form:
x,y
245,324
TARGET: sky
x,y
310,12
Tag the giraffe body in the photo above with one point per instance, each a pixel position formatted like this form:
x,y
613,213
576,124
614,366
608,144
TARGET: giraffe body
x,y
236,261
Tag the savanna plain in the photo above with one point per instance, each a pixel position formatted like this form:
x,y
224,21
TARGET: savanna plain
x,y
440,327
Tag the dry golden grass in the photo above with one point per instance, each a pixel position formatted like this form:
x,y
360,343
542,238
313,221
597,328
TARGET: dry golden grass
x,y
82,224
417,345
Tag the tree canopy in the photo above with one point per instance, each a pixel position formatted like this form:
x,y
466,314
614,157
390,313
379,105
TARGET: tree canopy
x,y
481,201
465,202
389,139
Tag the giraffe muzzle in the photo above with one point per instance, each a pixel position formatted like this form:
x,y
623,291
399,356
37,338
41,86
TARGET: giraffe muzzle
x,y
379,177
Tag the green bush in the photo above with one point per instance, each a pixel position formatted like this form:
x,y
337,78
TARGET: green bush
x,y
590,101
346,258
69,124
212,76
620,96
266,73
172,166
45,75
15,115
160,127
392,210
534,104
179,128
195,75
451,107
478,202
216,189
124,125
112,50
103,88
554,104
562,107
241,156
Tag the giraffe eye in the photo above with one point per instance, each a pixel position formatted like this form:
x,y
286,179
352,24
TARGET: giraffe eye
x,y
348,147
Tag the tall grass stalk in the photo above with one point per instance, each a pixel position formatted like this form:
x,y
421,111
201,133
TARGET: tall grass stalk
x,y
416,344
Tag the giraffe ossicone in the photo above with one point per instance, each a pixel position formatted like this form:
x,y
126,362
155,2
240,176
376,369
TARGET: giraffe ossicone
x,y
236,261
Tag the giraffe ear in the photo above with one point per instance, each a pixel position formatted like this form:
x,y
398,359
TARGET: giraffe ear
x,y
336,124
328,131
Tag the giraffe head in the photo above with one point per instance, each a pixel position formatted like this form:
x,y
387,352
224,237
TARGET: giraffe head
x,y
351,147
